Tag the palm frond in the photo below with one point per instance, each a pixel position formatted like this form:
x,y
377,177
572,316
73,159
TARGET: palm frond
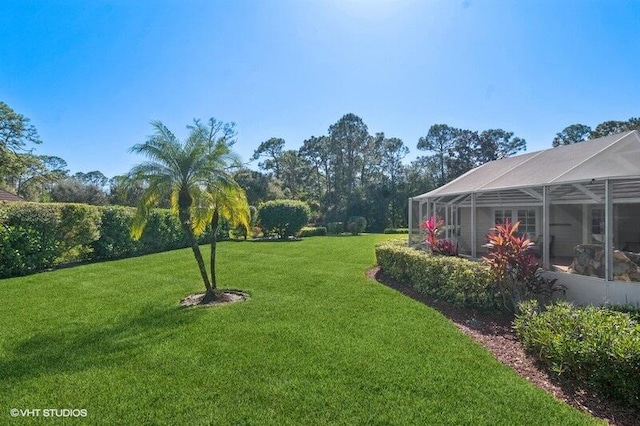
x,y
200,166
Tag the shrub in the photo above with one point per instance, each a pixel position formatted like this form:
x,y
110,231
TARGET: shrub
x,y
24,250
356,225
597,346
457,280
115,234
433,227
335,228
313,231
445,248
163,232
396,230
514,267
283,218
29,236
632,309
79,228
36,236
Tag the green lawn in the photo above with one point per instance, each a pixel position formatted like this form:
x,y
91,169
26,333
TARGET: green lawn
x,y
318,343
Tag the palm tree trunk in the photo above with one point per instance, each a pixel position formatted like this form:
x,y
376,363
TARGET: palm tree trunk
x,y
185,221
198,255
215,219
184,202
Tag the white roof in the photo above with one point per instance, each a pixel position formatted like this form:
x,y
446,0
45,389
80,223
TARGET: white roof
x,y
611,157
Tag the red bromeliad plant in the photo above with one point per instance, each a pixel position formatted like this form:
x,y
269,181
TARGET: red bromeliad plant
x,y
512,262
433,227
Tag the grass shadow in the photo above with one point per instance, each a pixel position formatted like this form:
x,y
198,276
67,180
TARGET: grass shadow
x,y
78,347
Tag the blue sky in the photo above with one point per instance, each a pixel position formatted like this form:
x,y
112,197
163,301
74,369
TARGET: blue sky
x,y
92,74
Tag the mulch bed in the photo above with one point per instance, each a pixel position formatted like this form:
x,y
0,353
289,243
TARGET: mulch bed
x,y
495,332
225,297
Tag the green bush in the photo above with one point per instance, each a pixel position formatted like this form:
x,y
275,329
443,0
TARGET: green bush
x,y
457,280
632,309
597,346
36,236
79,228
24,250
163,232
356,225
396,230
335,228
283,218
29,236
313,231
115,234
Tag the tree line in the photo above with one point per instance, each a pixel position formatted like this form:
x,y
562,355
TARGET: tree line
x,y
346,172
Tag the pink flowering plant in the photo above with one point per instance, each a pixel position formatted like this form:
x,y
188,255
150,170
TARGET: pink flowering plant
x,y
433,227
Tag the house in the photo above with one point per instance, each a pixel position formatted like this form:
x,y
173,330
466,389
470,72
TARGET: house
x,y
580,203
7,196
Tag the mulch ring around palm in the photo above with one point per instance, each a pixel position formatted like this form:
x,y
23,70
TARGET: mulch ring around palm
x,y
225,297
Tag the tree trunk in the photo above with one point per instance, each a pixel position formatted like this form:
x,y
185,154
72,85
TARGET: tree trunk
x,y
198,255
215,219
184,201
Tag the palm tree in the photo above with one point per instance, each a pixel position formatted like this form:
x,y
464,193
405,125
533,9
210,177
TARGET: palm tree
x,y
227,199
194,177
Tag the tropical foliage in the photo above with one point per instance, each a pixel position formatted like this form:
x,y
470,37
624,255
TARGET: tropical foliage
x,y
195,176
597,346
511,261
433,227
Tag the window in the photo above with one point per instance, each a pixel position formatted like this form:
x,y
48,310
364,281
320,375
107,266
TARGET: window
x,y
527,218
501,216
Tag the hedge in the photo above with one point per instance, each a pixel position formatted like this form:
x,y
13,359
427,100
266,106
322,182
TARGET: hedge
x,y
396,231
284,218
38,236
454,279
313,231
597,346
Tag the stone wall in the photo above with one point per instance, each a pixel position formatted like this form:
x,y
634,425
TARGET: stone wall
x,y
589,260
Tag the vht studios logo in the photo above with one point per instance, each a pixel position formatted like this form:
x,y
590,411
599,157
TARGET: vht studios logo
x,y
48,412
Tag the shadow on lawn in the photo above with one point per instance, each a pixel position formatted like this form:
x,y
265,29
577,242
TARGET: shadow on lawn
x,y
77,347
